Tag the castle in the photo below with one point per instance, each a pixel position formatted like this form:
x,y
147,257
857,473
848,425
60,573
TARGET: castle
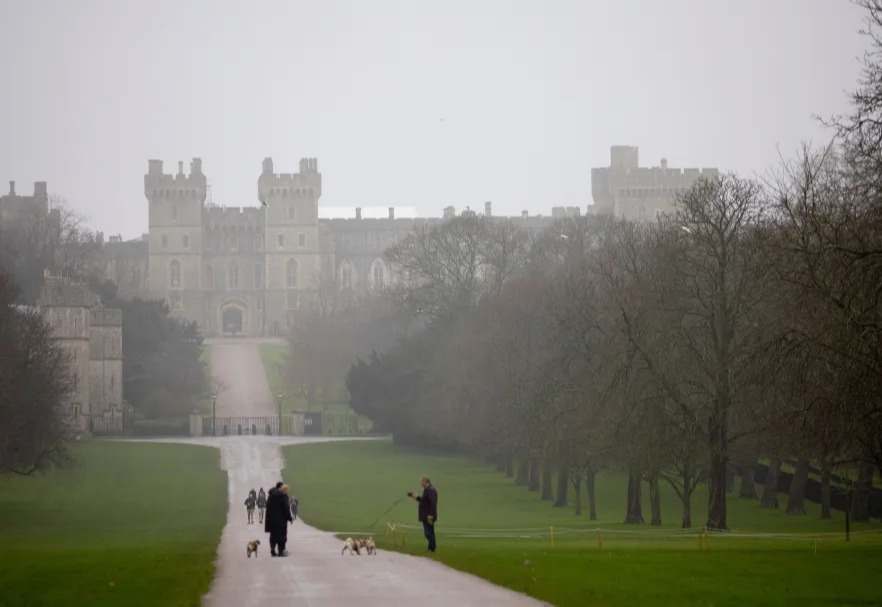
x,y
256,271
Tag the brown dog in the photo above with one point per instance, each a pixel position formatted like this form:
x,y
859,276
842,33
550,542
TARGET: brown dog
x,y
252,547
368,544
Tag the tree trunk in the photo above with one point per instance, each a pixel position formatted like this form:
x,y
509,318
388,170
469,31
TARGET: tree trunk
x,y
716,486
592,502
500,463
825,490
634,513
748,484
509,467
654,501
547,479
523,472
796,499
534,475
563,486
860,505
687,509
770,490
576,479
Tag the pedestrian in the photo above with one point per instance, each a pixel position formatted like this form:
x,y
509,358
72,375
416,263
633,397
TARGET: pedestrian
x,y
294,504
261,505
427,510
278,515
250,502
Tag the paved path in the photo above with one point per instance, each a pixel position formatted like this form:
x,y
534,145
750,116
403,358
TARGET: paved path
x,y
315,574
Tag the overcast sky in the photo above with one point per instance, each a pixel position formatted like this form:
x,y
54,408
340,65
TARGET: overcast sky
x,y
531,93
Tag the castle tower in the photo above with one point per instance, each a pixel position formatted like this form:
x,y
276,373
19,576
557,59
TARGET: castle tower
x,y
292,241
175,248
67,308
105,361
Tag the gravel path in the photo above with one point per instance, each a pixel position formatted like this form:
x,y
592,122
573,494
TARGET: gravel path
x,y
315,574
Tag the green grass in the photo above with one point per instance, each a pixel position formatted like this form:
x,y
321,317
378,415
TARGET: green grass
x,y
127,525
644,569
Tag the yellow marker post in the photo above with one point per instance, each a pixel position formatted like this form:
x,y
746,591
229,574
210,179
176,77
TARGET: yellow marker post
x,y
552,536
599,540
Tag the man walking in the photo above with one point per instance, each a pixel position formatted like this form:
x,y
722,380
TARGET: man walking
x,y
428,509
278,515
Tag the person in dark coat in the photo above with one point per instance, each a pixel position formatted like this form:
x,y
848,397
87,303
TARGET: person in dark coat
x,y
250,502
278,515
428,509
261,505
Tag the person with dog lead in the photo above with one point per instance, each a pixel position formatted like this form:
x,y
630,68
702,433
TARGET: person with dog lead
x,y
427,510
261,505
278,515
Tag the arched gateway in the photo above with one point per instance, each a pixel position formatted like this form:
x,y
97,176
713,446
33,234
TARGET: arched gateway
x,y
234,318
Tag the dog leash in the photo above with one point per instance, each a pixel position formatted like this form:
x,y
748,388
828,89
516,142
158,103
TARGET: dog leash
x,y
388,510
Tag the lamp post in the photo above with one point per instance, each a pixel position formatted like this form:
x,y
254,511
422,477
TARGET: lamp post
x,y
279,399
214,414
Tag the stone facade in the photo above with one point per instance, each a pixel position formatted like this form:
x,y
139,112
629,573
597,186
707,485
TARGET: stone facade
x,y
16,209
626,189
92,335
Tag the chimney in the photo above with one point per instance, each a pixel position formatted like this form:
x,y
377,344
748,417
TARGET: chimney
x,y
358,212
180,167
487,206
391,212
525,214
664,164
12,188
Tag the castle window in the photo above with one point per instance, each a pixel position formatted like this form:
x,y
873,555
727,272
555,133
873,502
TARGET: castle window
x,y
185,241
174,213
165,242
233,276
291,274
174,274
177,303
234,242
292,300
347,271
258,244
281,240
258,276
378,274
302,240
208,278
291,214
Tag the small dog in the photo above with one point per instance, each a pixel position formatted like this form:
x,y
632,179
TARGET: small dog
x,y
353,546
369,545
252,547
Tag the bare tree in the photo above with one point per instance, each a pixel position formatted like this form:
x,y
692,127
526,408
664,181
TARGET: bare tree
x,y
35,380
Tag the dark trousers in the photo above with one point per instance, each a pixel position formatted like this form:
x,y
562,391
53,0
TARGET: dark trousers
x,y
429,532
278,538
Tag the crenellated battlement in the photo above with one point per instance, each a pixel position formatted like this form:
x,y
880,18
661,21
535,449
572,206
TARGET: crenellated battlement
x,y
180,186
234,216
307,184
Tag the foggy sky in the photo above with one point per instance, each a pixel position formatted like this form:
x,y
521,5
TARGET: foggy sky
x,y
532,94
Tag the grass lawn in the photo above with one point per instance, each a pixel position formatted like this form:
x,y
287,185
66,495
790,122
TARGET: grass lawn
x,y
128,525
657,566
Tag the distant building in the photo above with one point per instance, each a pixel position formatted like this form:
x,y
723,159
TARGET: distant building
x,y
92,335
15,208
625,189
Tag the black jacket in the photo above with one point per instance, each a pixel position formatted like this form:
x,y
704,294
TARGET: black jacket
x,y
261,500
278,512
428,504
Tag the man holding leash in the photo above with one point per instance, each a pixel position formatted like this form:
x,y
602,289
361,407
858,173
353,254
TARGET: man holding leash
x,y
428,509
278,515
